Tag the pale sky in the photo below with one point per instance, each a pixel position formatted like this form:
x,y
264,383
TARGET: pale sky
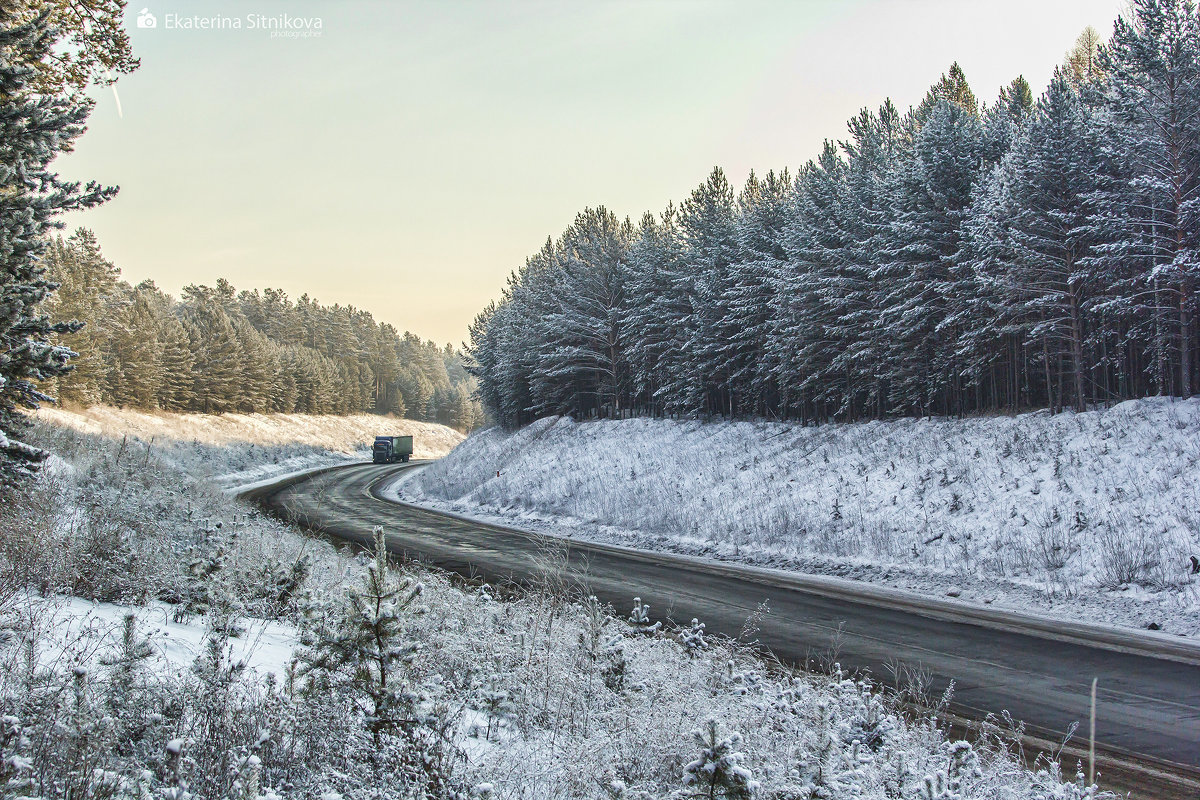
x,y
412,155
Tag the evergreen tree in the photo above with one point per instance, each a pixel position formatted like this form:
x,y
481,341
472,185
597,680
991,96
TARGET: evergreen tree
x,y
865,218
708,235
951,88
133,354
800,347
1052,172
718,771
176,379
34,129
762,216
217,354
922,289
260,369
1017,98
1148,216
87,282
656,309
361,648
582,333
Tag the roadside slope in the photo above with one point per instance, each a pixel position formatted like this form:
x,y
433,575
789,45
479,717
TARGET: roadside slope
x,y
238,448
1089,515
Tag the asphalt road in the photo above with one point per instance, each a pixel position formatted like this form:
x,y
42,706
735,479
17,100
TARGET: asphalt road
x,y
1149,686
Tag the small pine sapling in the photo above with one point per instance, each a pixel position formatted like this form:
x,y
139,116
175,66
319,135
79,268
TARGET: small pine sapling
x,y
497,703
947,783
614,667
126,664
16,779
217,676
362,646
718,772
639,617
692,637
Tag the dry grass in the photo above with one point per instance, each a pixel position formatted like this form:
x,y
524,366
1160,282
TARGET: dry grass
x,y
343,434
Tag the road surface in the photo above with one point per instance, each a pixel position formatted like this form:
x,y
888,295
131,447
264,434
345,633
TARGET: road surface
x,y
1148,717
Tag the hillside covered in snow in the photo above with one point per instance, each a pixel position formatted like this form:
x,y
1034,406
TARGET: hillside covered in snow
x,y
1096,513
235,448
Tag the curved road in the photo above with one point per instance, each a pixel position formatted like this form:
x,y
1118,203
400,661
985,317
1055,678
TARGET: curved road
x,y
1149,685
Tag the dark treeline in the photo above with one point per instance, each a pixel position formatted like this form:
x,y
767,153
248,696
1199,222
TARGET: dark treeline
x,y
217,350
953,259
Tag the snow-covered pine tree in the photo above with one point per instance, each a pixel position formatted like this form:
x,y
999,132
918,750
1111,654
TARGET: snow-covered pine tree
x,y
952,88
656,309
218,363
133,355
1051,173
86,281
34,129
361,647
1149,218
126,664
173,388
986,353
260,369
1017,99
865,215
763,207
581,361
718,771
803,315
701,382
918,281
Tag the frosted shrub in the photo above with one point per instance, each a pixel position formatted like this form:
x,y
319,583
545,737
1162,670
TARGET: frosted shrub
x,y
15,767
1127,556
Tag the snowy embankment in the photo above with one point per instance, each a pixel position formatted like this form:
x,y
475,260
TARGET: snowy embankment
x,y
235,449
1092,515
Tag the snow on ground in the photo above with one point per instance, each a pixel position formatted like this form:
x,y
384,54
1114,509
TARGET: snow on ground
x,y
235,449
1087,516
346,434
75,632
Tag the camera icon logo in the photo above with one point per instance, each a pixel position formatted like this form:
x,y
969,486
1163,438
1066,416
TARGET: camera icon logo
x,y
146,19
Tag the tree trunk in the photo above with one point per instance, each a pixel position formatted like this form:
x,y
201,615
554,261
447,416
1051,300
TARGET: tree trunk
x,y
1185,338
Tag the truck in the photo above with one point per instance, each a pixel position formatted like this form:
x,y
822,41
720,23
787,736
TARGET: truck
x,y
390,449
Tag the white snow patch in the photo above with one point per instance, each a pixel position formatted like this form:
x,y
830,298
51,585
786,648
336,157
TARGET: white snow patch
x,y
74,632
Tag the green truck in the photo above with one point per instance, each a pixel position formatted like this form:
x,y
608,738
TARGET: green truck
x,y
390,449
